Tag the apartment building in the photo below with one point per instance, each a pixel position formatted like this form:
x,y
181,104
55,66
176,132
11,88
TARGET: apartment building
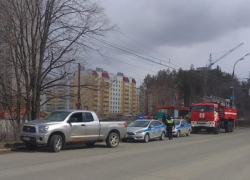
x,y
58,97
106,93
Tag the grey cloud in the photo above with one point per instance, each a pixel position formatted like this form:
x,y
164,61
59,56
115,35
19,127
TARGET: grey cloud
x,y
182,22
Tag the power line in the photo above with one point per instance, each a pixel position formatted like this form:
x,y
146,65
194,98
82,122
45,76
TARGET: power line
x,y
164,55
132,54
121,53
123,62
147,54
150,48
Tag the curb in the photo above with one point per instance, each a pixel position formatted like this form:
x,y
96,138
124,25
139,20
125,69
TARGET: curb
x,y
9,149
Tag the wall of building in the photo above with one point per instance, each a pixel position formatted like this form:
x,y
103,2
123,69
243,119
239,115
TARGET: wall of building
x,y
106,93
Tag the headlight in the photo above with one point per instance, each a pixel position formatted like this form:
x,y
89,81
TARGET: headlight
x,y
173,128
43,129
141,131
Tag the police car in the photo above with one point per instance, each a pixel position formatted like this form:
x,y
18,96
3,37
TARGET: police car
x,y
181,128
145,129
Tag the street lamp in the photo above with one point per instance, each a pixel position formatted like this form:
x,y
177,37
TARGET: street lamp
x,y
232,98
239,61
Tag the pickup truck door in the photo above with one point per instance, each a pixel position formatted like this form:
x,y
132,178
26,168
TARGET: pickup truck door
x,y
92,125
77,128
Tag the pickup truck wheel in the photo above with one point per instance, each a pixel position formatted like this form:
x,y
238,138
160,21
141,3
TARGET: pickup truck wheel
x,y
90,144
162,136
146,138
30,146
55,143
113,140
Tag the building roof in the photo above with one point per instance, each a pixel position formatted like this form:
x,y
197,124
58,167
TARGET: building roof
x,y
95,73
106,75
125,79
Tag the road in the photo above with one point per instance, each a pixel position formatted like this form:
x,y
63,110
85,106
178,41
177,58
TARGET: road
x,y
198,157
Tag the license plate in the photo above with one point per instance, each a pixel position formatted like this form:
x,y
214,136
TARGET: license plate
x,y
26,138
129,137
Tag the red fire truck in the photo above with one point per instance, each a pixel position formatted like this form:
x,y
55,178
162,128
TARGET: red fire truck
x,y
212,115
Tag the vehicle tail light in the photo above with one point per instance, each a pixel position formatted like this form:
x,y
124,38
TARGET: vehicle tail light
x,y
125,125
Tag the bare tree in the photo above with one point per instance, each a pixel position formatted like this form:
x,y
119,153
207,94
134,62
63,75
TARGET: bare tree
x,y
44,37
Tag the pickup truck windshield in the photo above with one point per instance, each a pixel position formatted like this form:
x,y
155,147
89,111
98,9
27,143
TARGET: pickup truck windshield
x,y
203,108
57,116
139,124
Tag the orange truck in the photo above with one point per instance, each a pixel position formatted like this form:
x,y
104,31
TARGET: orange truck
x,y
212,115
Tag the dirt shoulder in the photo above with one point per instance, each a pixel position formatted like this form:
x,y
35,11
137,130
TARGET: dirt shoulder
x,y
9,145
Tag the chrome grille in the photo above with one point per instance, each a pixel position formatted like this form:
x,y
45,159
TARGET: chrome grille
x,y
29,129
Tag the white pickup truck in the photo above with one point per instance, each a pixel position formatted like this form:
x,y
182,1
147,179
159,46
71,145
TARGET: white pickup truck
x,y
66,126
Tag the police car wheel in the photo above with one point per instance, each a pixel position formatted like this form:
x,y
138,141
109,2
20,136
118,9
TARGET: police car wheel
x,y
162,136
178,134
146,138
188,134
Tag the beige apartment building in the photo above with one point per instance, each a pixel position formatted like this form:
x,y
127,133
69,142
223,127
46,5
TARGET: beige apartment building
x,y
106,93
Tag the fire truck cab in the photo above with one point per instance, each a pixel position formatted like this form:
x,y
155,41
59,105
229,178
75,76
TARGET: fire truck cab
x,y
212,115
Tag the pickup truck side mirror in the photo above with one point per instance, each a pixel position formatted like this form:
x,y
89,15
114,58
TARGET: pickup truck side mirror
x,y
71,120
151,126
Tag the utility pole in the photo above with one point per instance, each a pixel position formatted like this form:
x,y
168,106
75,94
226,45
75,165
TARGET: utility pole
x,y
79,87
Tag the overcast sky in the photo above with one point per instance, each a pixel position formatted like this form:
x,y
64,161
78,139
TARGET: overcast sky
x,y
184,31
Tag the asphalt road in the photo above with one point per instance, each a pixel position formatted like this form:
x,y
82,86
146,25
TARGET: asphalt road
x,y
198,157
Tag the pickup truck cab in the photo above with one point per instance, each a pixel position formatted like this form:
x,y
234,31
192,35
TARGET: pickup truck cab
x,y
66,126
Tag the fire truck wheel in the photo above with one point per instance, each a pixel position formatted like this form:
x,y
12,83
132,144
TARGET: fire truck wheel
x,y
217,130
208,130
231,127
195,130
226,124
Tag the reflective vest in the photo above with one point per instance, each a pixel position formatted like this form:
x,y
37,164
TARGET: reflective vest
x,y
171,121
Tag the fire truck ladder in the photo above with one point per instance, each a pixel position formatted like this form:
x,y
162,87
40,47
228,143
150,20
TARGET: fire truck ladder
x,y
221,101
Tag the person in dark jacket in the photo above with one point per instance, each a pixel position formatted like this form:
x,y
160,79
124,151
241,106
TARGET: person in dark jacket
x,y
170,124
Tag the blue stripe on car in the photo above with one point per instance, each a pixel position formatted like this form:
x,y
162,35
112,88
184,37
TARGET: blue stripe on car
x,y
181,127
156,127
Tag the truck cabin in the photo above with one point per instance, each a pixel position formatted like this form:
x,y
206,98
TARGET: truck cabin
x,y
204,111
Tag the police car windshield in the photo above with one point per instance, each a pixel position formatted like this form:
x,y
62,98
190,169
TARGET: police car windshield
x,y
177,122
57,116
139,123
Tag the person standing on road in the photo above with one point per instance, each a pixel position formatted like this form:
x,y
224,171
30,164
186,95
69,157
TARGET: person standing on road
x,y
170,124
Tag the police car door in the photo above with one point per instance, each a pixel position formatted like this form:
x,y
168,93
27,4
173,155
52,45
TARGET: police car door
x,y
152,132
183,127
158,128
